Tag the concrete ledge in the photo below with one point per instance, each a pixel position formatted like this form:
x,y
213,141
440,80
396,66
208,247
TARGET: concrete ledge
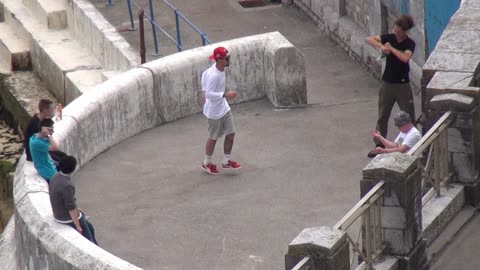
x,y
157,92
13,50
438,212
100,37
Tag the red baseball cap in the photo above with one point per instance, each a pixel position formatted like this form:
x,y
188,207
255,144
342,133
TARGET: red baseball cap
x,y
219,52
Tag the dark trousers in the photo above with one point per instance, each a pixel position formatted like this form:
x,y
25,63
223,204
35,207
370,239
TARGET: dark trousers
x,y
57,156
387,96
87,228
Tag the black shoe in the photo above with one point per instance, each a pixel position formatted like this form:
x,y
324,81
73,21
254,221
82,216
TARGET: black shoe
x,y
371,155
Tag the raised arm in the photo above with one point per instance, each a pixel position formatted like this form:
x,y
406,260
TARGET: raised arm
x,y
404,56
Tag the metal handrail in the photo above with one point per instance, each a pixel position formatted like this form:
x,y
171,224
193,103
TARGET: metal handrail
x,y
366,208
436,169
305,264
155,26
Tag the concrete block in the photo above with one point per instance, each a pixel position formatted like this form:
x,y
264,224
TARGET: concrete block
x,y
390,167
459,41
327,247
54,54
439,211
399,242
416,259
101,37
82,81
393,217
19,18
14,50
49,12
452,102
460,140
464,168
286,84
452,62
451,82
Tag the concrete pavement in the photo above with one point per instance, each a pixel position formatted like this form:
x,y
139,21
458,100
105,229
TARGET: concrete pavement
x,y
153,206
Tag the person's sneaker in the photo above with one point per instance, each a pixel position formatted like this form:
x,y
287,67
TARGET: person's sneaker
x,y
210,168
231,165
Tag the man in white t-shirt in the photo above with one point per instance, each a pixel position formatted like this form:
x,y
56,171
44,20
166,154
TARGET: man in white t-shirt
x,y
217,110
408,137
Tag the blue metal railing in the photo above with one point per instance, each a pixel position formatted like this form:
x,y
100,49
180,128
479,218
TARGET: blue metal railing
x,y
155,26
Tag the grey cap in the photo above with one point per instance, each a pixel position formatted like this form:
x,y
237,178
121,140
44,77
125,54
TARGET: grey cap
x,y
401,118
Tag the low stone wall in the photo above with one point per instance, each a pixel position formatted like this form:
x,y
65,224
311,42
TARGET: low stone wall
x,y
155,93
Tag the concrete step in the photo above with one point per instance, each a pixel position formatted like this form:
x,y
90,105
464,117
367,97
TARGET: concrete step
x,y
14,50
50,12
19,18
80,82
20,94
439,211
54,53
57,54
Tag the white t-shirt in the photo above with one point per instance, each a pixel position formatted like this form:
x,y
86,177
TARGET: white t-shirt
x,y
213,83
409,139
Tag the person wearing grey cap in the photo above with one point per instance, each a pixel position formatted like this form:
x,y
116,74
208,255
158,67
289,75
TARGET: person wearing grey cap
x,y
408,137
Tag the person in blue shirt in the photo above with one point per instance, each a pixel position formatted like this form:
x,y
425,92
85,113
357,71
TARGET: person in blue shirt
x,y
40,143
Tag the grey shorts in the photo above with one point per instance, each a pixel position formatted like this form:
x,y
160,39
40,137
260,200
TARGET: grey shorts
x,y
219,127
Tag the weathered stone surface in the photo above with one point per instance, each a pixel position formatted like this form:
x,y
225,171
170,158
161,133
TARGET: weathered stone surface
x,y
452,102
464,168
8,247
416,259
386,263
319,241
460,140
390,167
393,217
451,82
285,77
327,247
19,95
438,212
452,62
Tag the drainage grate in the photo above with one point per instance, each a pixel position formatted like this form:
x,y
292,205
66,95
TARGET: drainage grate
x,y
257,3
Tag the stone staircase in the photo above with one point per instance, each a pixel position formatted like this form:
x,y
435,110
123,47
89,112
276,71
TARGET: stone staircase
x,y
37,35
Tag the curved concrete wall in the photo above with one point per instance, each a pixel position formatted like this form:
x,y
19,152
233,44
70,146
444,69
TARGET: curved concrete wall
x,y
142,98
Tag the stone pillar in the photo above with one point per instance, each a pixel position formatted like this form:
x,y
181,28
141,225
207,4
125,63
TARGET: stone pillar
x,y
401,207
463,139
327,247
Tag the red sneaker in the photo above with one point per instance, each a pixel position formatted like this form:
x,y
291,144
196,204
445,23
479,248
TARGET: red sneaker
x,y
231,165
210,168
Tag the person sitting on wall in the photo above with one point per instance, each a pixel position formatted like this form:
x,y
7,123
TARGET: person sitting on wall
x,y
45,110
408,137
64,203
40,144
